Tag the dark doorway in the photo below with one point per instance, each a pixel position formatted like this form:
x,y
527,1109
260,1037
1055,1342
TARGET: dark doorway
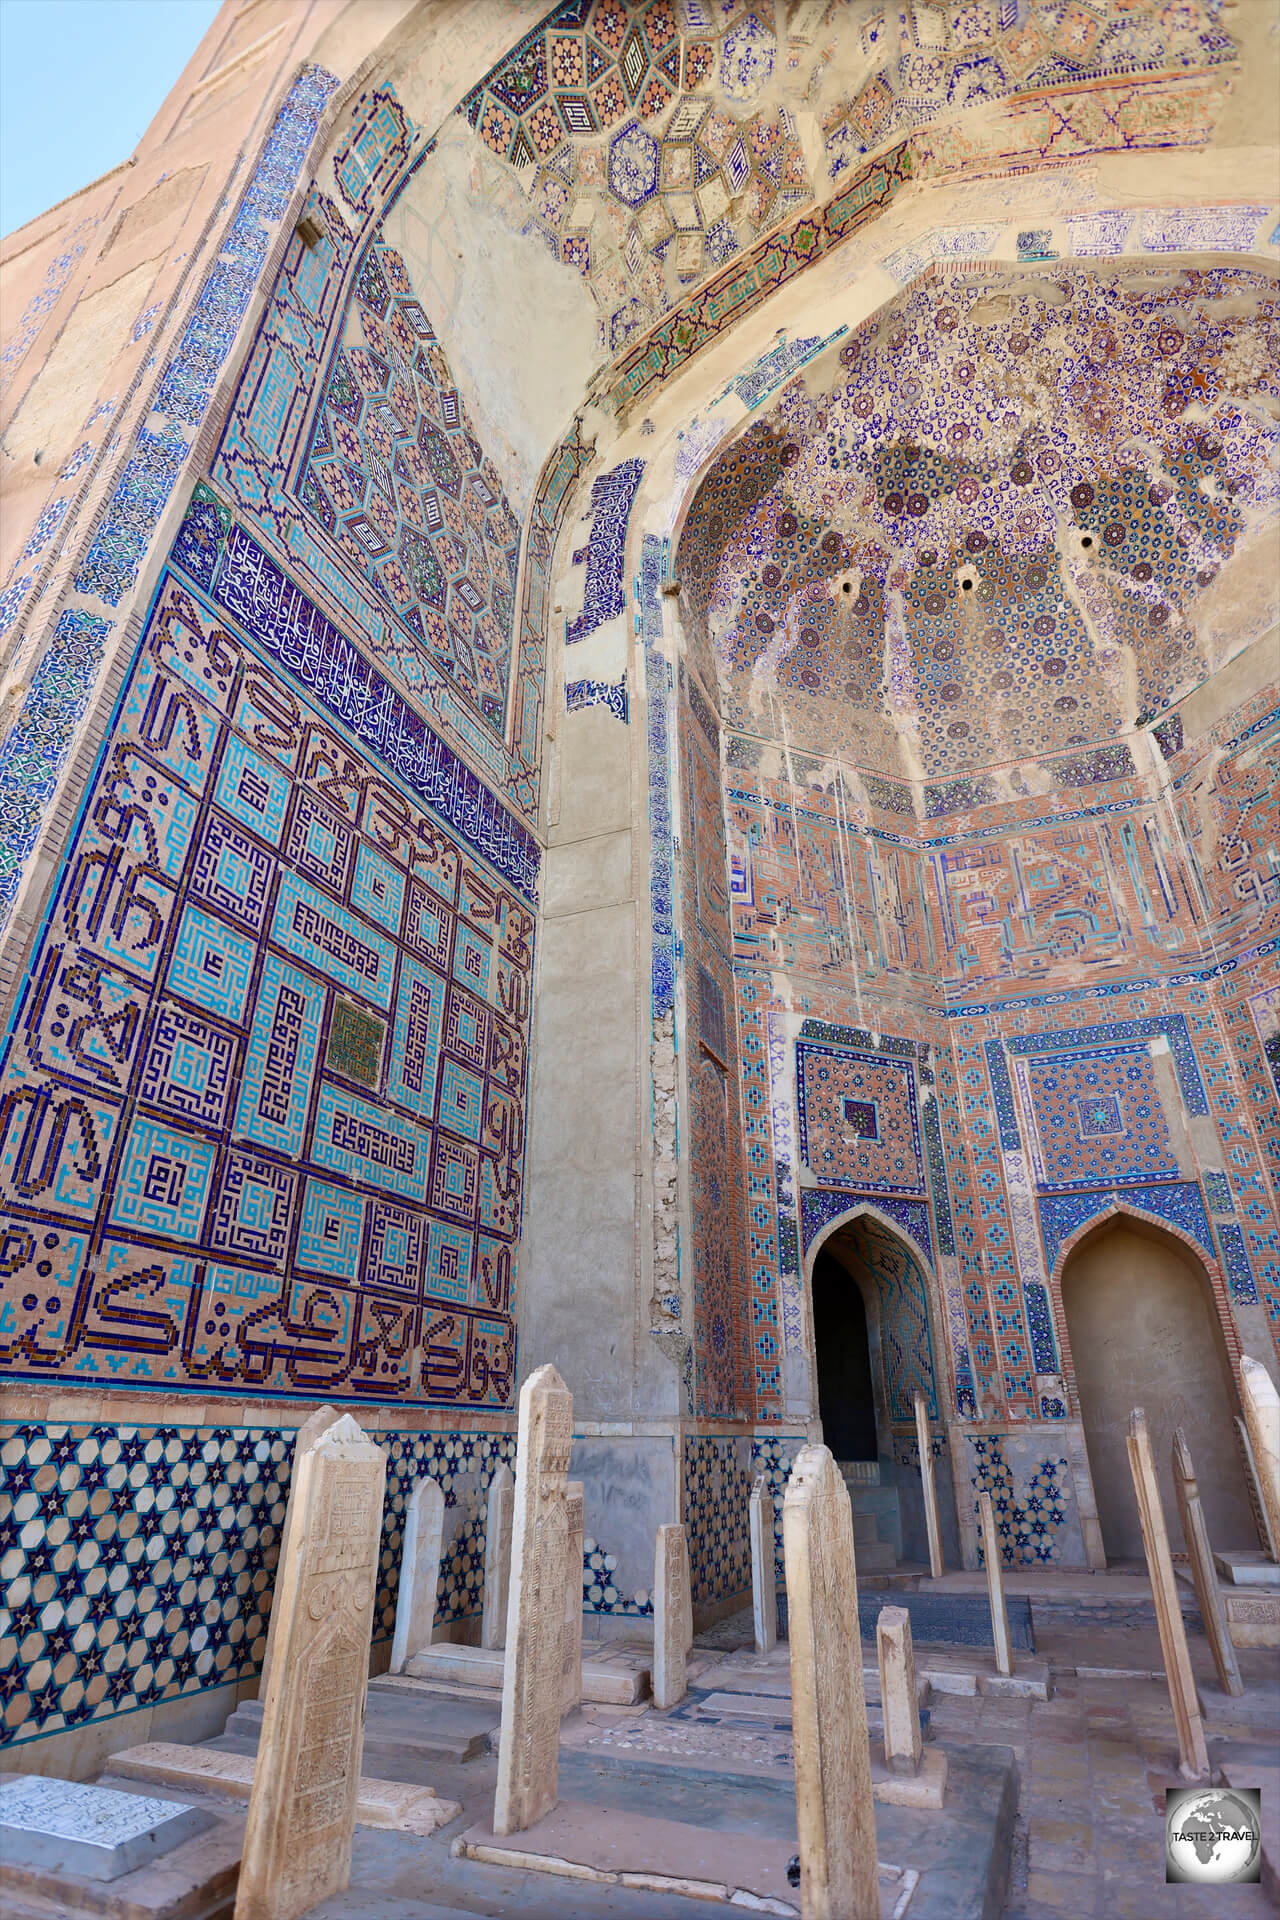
x,y
846,1403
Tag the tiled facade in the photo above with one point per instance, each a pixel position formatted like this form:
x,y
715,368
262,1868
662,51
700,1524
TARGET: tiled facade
x,y
952,924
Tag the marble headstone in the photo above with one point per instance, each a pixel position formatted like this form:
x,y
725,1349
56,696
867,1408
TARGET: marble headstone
x,y
835,1813
1179,1676
764,1579
672,1616
575,1529
311,1429
497,1556
533,1671
64,1826
419,1572
302,1810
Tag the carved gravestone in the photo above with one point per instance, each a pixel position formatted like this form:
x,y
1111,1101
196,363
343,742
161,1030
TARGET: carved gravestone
x,y
312,1427
1196,1534
1262,1418
993,1564
297,1842
419,1572
533,1671
764,1579
899,1700
927,1487
835,1814
1183,1698
497,1557
672,1616
575,1529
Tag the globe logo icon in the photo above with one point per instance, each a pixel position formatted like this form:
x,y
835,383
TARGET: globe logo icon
x,y
1213,1837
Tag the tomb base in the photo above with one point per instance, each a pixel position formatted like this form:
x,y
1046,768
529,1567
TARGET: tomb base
x,y
1248,1569
379,1803
1253,1619
664,1856
613,1677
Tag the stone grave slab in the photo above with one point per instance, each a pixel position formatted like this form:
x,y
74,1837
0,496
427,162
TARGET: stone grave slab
x,y
67,1827
379,1803
649,1855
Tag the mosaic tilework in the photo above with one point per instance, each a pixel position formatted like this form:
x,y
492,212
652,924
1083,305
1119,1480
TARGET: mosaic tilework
x,y
612,496
1033,1528
395,473
658,722
60,689
139,1560
859,1124
1179,1202
717,1495
773,1457
939,62
390,491
252,588
1096,1113
263,1098
970,562
610,694
42,303
634,177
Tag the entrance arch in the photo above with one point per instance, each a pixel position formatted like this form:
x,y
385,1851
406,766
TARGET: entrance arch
x,y
876,1343
1142,1331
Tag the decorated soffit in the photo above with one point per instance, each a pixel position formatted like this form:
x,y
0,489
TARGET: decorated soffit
x,y
656,140
991,525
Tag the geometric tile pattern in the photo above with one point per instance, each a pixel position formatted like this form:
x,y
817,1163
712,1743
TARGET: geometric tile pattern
x,y
1098,1117
717,1492
396,476
636,178
137,1563
906,532
1029,1528
858,1121
273,1040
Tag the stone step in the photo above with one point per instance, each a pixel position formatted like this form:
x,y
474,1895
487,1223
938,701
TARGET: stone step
x,y
401,1728
615,1677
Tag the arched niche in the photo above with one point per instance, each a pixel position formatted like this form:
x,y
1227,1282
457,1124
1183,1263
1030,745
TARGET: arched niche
x,y
875,1328
1142,1328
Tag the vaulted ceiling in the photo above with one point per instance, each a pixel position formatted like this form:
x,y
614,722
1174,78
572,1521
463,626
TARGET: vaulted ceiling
x,y
1010,515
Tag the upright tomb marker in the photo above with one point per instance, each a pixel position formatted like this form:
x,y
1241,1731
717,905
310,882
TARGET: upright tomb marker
x,y
1262,1418
419,1572
672,1616
764,1578
314,1425
297,1841
575,1528
835,1815
1203,1572
533,1672
995,1584
927,1487
497,1557
1193,1755
899,1700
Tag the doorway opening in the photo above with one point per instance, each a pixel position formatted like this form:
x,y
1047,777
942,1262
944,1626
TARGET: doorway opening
x,y
846,1394
1144,1333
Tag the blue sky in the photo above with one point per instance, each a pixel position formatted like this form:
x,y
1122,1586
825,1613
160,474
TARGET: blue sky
x,y
80,82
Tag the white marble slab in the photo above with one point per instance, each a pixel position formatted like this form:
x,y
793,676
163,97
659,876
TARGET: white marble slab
x,y
95,1831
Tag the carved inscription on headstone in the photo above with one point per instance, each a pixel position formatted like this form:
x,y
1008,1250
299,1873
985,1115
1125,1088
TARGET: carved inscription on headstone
x,y
835,1816
311,1429
419,1572
672,1616
533,1672
497,1557
297,1844
575,1528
